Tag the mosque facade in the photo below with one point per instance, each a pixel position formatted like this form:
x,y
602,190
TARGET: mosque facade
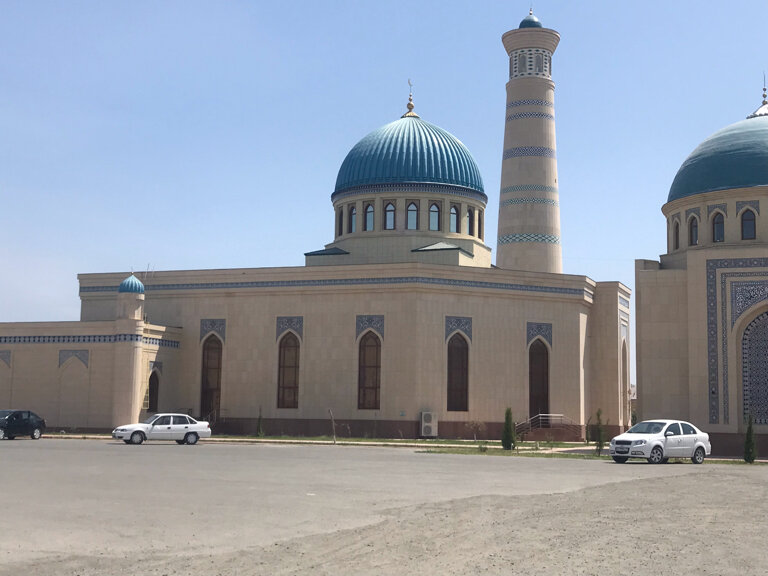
x,y
400,326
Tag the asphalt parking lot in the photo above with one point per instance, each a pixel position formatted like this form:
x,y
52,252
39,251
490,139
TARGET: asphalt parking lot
x,y
101,498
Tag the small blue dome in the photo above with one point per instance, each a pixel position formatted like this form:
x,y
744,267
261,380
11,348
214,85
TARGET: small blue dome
x,y
131,285
734,157
530,21
409,150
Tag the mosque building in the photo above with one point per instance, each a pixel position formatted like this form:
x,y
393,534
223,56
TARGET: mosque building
x,y
401,326
702,309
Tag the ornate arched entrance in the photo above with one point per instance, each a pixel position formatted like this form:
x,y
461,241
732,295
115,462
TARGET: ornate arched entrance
x,y
754,354
210,386
538,378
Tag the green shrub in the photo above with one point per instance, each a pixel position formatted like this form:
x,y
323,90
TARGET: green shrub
x,y
750,450
508,433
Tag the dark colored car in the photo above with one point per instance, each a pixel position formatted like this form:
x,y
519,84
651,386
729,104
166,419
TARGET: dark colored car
x,y
20,423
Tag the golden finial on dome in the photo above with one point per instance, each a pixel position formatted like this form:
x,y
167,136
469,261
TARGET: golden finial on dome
x,y
763,110
410,113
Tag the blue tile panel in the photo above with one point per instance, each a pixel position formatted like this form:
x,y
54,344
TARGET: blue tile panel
x,y
350,282
515,201
285,323
516,103
216,325
156,365
754,376
527,115
365,322
416,188
535,329
5,356
695,211
547,238
715,344
712,207
624,302
81,355
529,151
100,339
529,188
744,295
754,204
460,323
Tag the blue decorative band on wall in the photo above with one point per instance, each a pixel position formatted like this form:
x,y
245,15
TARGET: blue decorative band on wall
x,y
534,330
516,103
695,211
624,302
527,115
216,325
744,295
712,207
415,187
512,238
529,188
285,323
514,201
81,355
529,151
461,323
365,322
156,365
5,356
754,204
100,339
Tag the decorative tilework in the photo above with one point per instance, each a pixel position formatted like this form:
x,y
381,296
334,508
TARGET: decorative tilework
x,y
754,354
745,294
696,211
515,201
510,238
460,323
99,339
529,188
623,302
754,204
397,280
675,216
160,342
415,187
371,321
5,356
215,325
712,207
536,329
522,151
284,323
81,355
158,365
526,115
515,103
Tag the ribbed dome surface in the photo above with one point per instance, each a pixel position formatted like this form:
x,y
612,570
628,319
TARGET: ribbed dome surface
x,y
734,157
131,285
409,150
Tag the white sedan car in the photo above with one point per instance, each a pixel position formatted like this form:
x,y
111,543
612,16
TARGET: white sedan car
x,y
659,440
180,427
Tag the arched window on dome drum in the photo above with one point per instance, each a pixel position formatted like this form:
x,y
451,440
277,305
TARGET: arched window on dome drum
x,y
352,224
521,64
539,63
434,217
368,224
480,224
458,374
389,217
470,221
369,374
454,225
718,228
676,236
412,222
288,372
340,223
748,225
693,231
210,387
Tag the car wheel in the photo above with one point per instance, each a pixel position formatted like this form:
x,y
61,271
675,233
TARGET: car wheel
x,y
620,459
180,441
137,438
657,455
698,456
127,441
2,433
664,460
190,438
11,437
36,434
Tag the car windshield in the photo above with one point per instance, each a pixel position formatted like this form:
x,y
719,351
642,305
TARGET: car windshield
x,y
646,428
5,413
150,419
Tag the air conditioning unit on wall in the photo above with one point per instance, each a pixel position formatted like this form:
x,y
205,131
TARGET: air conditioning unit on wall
x,y
428,425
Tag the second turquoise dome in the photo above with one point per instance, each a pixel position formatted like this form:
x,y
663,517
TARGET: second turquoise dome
x,y
409,150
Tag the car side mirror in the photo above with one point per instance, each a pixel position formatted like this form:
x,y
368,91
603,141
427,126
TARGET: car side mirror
x,y
670,433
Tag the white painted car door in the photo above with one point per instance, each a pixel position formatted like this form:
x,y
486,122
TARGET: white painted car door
x,y
674,440
180,427
160,429
688,440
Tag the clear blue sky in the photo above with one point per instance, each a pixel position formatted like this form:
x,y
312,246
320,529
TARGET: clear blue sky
x,y
186,134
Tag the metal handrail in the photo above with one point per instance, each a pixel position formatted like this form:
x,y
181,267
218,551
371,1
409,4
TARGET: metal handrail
x,y
547,421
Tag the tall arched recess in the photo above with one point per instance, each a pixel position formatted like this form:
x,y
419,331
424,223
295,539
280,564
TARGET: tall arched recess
x,y
210,385
538,379
153,392
458,374
754,354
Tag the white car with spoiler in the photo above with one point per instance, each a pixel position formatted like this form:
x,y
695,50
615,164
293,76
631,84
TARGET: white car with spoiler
x,y
659,440
179,427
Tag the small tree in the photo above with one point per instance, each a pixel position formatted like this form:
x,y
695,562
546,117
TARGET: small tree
x,y
259,429
750,451
508,439
599,433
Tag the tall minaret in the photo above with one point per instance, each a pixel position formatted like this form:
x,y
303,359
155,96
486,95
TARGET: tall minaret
x,y
529,209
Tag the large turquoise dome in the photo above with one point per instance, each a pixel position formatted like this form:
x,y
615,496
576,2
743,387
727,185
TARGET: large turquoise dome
x,y
734,157
408,151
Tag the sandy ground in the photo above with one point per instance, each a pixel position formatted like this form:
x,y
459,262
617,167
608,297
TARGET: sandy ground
x,y
697,520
